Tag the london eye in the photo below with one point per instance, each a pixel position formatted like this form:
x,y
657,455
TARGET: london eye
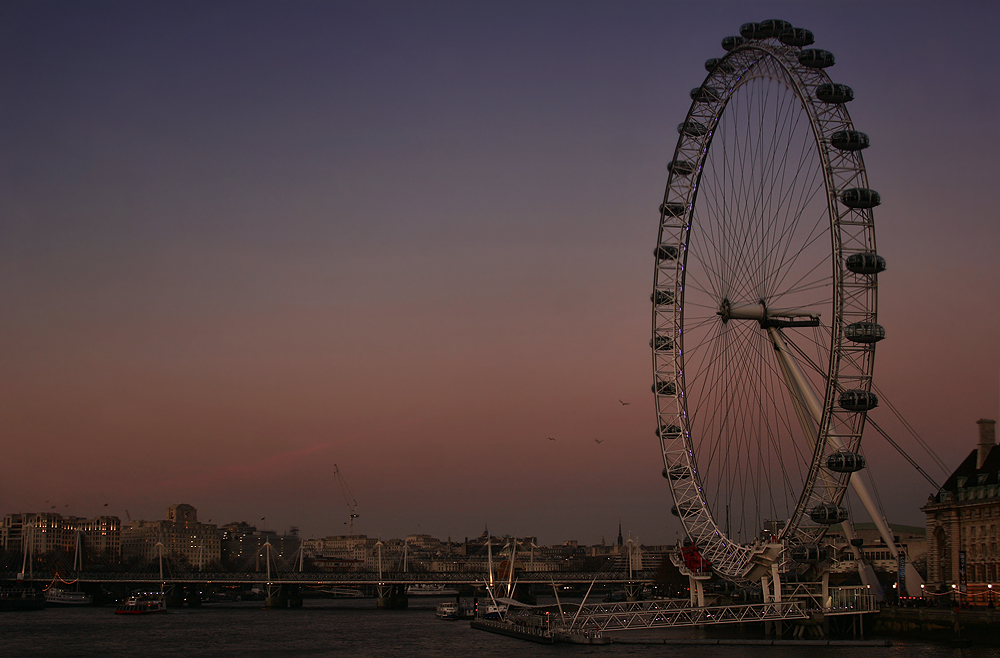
x,y
764,300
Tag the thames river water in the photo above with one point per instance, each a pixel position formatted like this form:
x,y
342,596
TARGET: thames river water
x,y
349,628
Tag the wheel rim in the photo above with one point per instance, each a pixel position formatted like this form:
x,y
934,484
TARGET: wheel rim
x,y
754,221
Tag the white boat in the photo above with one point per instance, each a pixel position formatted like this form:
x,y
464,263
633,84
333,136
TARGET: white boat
x,y
430,589
64,597
449,611
141,604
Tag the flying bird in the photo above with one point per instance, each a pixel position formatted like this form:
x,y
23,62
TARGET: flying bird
x,y
598,441
624,403
552,438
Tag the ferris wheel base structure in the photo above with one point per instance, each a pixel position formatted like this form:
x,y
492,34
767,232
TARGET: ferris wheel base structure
x,y
765,316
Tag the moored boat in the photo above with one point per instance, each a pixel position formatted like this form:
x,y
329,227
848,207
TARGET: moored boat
x,y
139,604
63,597
20,598
449,611
430,589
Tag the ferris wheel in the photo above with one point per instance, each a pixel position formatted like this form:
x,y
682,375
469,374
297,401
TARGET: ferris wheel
x,y
764,301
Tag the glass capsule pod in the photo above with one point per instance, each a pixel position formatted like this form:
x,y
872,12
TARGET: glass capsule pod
x,y
772,27
666,252
849,140
681,167
865,263
683,510
816,58
692,128
834,92
808,553
722,64
669,432
672,209
858,400
860,197
796,36
732,43
864,332
706,95
857,542
675,473
845,462
662,297
665,388
661,343
751,31
828,514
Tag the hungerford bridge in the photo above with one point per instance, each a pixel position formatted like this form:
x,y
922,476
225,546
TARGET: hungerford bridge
x,y
806,604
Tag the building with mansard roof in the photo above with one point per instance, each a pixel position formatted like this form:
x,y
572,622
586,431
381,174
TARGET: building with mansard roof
x,y
962,524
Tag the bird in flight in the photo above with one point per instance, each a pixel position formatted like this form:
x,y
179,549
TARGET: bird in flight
x,y
624,403
552,438
599,440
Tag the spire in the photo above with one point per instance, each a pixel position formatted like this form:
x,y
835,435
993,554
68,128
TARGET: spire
x,y
619,532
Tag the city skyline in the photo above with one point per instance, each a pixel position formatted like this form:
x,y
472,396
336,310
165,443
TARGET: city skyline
x,y
244,242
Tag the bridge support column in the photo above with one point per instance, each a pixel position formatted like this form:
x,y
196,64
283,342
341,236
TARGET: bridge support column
x,y
294,595
392,597
275,597
192,597
697,588
633,591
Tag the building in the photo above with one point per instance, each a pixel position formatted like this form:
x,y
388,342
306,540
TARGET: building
x,y
962,520
244,546
910,540
42,533
179,536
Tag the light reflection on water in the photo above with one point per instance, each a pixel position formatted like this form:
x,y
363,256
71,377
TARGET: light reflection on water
x,y
347,628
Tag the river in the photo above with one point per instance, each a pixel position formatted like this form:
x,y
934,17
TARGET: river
x,y
351,628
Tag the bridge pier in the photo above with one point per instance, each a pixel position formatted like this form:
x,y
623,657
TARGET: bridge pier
x,y
633,591
275,597
192,597
392,597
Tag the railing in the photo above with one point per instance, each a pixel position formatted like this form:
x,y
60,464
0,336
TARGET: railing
x,y
340,578
675,612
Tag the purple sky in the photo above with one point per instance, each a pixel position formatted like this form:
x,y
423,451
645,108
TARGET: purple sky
x,y
241,242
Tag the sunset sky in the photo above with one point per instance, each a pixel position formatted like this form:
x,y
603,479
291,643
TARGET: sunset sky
x,y
241,242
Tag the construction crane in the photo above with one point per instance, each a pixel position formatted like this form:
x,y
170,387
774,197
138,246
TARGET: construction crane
x,y
349,500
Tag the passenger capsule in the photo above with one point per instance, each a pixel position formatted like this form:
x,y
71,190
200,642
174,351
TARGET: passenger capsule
x,y
692,129
706,95
849,140
864,332
665,388
845,462
828,514
723,65
669,433
684,510
834,92
681,167
662,297
865,263
860,197
672,209
661,343
815,58
675,473
858,400
772,27
751,31
808,553
666,252
857,542
796,36
732,43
